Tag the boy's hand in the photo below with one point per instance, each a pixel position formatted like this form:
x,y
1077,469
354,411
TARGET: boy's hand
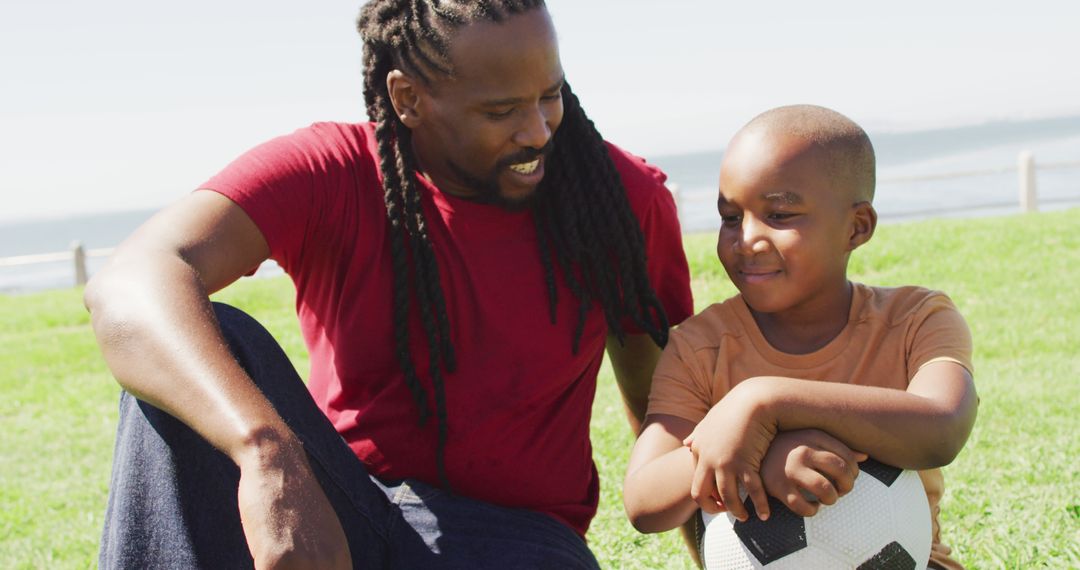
x,y
809,461
729,445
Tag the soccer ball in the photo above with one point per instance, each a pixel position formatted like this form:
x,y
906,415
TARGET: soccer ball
x,y
882,524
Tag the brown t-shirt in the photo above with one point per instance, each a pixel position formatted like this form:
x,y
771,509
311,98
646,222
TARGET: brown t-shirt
x,y
891,333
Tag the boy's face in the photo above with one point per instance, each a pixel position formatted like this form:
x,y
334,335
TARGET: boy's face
x,y
787,226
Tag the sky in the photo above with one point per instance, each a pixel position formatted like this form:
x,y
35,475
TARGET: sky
x,y
124,104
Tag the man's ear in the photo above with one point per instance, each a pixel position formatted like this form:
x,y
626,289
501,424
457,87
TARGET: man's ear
x,y
864,222
405,96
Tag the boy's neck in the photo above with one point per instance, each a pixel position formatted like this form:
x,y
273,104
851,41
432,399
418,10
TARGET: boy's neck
x,y
809,329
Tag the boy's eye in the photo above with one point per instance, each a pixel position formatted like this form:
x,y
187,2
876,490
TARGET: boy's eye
x,y
781,216
730,219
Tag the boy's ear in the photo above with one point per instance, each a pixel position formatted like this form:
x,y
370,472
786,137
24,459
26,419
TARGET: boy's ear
x,y
864,222
405,96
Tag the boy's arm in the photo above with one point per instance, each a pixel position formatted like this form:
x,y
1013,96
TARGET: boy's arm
x,y
924,427
656,491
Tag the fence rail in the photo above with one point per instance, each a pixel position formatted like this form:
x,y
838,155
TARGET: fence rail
x,y
1026,168
77,255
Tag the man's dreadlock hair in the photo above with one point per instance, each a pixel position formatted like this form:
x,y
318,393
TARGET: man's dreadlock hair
x,y
582,217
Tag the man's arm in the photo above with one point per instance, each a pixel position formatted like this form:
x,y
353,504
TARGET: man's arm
x,y
156,328
923,427
633,363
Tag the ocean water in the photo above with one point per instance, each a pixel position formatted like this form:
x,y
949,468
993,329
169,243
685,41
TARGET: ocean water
x,y
963,171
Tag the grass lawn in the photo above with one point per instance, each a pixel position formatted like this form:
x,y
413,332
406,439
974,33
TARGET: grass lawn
x,y
1013,495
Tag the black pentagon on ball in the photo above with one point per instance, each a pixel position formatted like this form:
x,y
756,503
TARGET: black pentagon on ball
x,y
892,557
783,534
887,474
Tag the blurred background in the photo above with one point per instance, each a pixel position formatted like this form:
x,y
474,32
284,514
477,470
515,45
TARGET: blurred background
x,y
111,110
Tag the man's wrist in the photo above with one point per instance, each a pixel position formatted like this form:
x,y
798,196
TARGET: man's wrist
x,y
267,446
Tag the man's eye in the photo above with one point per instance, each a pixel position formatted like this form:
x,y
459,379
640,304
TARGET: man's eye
x,y
499,114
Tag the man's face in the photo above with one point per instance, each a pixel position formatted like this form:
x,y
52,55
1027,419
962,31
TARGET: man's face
x,y
786,225
484,132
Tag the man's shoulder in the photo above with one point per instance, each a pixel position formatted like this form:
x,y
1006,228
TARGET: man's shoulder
x,y
643,181
348,138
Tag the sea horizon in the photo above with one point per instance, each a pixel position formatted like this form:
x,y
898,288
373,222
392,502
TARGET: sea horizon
x,y
945,172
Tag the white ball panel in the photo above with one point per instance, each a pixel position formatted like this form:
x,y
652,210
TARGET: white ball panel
x,y
911,509
866,508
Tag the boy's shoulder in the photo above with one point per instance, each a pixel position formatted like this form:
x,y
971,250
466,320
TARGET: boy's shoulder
x,y
896,305
710,326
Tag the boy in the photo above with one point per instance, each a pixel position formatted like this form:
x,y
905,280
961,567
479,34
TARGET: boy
x,y
783,388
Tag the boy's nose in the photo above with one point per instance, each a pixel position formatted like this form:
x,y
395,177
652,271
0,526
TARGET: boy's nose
x,y
752,238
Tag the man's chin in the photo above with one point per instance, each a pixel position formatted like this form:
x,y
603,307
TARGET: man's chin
x,y
516,202
511,200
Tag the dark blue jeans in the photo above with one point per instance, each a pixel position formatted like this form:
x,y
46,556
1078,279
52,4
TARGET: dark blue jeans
x,y
172,499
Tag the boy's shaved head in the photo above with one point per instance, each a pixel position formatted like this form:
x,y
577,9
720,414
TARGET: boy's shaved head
x,y
848,148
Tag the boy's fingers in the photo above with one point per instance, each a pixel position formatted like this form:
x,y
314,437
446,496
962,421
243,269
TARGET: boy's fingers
x,y
728,489
756,491
797,503
827,442
823,490
701,492
832,468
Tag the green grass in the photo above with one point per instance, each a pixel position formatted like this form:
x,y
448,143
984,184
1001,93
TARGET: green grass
x,y
1013,495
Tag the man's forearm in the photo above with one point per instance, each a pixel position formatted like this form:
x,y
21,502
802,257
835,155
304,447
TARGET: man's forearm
x,y
633,363
159,337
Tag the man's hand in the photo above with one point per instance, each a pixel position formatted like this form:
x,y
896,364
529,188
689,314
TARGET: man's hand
x,y
287,520
809,462
729,445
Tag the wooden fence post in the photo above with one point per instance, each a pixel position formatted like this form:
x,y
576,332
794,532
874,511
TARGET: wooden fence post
x,y
1026,167
79,254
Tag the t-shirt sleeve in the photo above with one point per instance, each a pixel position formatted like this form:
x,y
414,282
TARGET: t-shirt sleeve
x,y
939,333
654,206
681,386
285,185
668,270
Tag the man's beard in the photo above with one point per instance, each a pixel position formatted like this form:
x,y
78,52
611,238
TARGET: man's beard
x,y
487,189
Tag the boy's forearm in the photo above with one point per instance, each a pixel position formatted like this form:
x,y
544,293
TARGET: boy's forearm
x,y
908,429
657,495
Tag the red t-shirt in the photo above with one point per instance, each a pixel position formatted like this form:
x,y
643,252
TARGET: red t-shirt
x,y
519,401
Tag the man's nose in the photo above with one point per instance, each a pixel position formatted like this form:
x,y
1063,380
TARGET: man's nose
x,y
534,131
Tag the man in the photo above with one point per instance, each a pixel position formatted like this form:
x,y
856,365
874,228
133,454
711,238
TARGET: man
x,y
460,264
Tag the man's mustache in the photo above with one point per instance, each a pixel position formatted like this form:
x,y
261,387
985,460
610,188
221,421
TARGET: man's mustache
x,y
529,154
